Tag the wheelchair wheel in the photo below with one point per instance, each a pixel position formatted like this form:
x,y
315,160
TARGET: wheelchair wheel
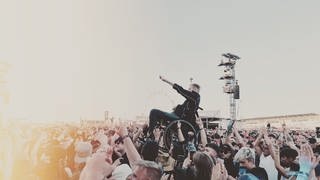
x,y
170,133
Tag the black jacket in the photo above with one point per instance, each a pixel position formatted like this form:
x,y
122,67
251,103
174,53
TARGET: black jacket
x,y
188,109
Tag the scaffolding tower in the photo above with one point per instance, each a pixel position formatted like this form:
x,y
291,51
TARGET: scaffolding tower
x,y
231,86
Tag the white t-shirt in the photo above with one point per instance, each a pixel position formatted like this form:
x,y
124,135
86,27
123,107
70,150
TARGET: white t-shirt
x,y
267,163
121,172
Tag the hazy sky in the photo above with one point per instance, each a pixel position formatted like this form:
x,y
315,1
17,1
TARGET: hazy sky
x,y
72,59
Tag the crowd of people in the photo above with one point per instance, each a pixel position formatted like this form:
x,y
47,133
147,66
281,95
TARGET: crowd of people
x,y
128,152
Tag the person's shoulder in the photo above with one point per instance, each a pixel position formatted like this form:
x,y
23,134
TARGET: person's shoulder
x,y
258,169
195,94
260,172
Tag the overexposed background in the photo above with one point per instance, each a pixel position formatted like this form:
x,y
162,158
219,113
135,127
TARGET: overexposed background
x,y
72,59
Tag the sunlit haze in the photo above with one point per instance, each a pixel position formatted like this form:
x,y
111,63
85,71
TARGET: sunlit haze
x,y
77,59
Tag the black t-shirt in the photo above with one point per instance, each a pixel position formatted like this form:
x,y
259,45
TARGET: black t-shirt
x,y
259,172
232,169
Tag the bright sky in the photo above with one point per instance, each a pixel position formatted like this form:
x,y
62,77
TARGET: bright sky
x,y
72,59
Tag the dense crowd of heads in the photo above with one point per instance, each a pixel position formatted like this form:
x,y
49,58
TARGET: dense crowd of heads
x,y
129,152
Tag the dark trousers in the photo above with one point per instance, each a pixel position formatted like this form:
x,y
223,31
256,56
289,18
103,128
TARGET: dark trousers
x,y
156,115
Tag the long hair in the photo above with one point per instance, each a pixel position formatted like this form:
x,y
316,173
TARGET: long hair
x,y
203,166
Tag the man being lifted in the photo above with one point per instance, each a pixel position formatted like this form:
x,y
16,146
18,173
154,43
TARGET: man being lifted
x,y
185,111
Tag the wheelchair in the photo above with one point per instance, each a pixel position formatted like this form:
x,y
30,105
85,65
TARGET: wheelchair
x,y
170,133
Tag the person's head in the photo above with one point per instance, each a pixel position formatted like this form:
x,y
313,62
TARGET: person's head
x,y
216,138
194,87
265,149
95,145
317,151
313,142
212,150
245,157
287,156
235,146
83,152
150,150
146,170
203,165
119,147
273,137
225,151
250,144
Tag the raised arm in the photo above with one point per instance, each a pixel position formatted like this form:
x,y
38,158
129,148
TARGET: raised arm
x,y
289,141
258,140
237,135
203,134
276,152
132,153
166,81
185,93
136,135
180,134
269,143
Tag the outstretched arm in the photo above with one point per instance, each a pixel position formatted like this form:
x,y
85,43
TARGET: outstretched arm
x,y
185,93
166,81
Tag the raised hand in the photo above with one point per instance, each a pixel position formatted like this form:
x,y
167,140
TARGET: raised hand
x,y
178,124
276,152
307,160
199,122
162,78
123,131
187,161
157,134
264,131
165,80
